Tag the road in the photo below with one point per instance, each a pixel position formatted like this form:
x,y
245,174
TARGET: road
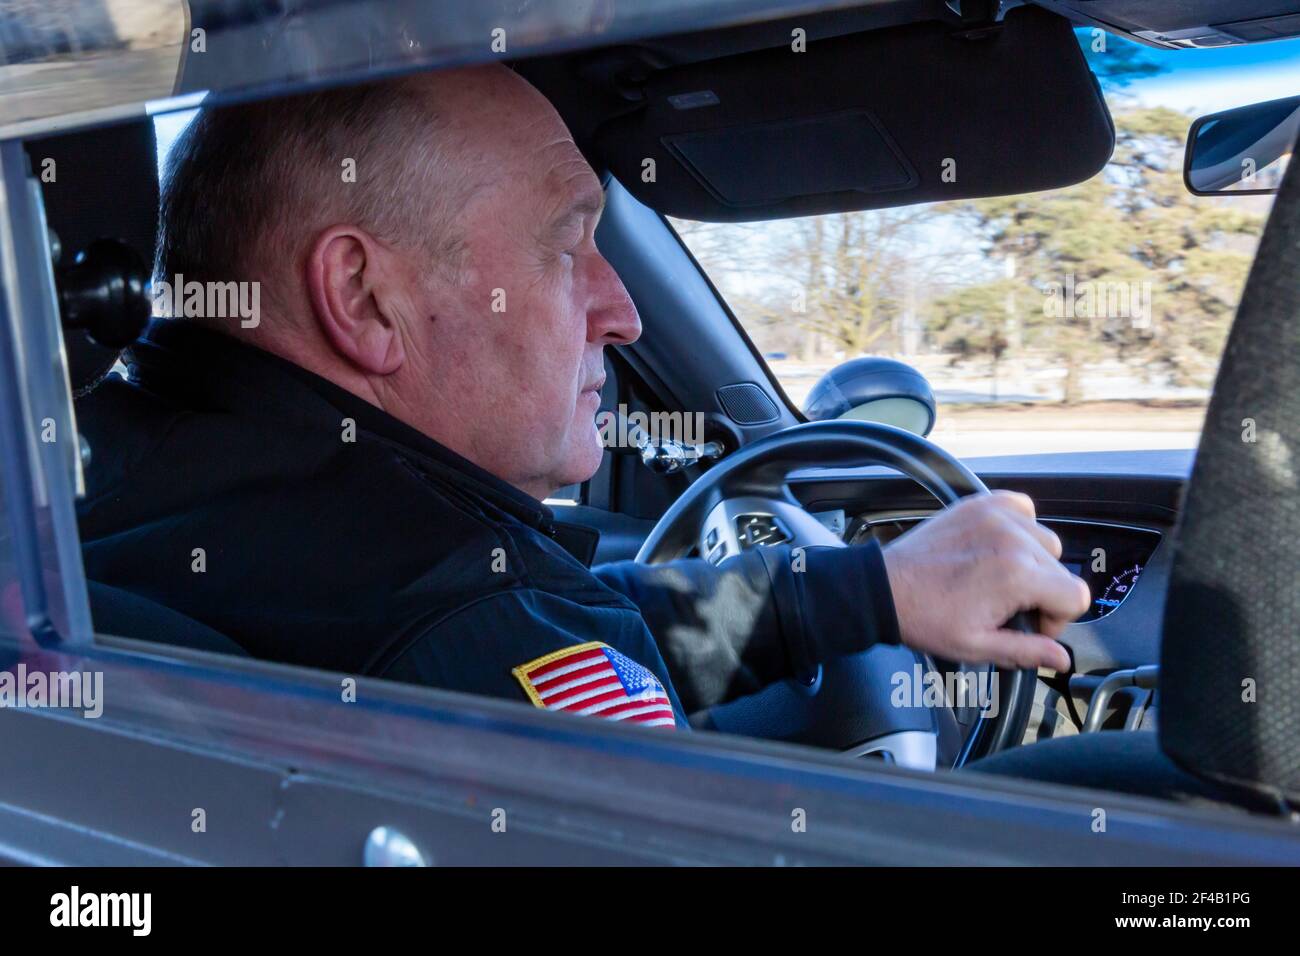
x,y
976,443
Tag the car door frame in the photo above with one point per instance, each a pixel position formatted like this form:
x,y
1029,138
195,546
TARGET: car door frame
x,y
201,758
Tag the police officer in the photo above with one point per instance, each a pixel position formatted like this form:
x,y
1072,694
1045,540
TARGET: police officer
x,y
353,480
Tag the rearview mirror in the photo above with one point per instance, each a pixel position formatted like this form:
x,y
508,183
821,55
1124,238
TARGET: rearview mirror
x,y
1243,151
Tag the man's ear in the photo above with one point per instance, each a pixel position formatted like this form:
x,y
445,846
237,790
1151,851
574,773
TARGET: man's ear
x,y
344,275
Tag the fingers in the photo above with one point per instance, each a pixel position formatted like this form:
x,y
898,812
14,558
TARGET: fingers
x,y
1030,651
1057,594
1040,582
1053,627
1048,539
1015,502
1043,536
987,557
1020,509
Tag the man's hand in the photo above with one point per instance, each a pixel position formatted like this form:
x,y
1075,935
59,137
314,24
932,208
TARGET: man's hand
x,y
961,575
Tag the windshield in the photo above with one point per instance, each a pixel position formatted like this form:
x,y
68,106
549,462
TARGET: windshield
x,y
1081,319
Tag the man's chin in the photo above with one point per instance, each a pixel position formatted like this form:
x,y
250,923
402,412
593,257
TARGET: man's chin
x,y
581,462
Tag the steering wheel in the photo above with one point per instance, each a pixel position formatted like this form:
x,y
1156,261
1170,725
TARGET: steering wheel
x,y
745,501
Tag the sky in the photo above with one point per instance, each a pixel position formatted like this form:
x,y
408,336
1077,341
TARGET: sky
x,y
1206,81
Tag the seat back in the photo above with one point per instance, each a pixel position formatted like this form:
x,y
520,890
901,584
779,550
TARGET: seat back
x,y
124,614
1230,653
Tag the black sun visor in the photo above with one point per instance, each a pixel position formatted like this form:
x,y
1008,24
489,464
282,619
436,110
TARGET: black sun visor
x,y
890,117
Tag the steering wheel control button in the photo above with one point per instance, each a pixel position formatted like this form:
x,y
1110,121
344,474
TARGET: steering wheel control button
x,y
759,531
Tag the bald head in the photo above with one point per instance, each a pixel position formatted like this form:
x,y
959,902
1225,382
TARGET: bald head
x,y
452,281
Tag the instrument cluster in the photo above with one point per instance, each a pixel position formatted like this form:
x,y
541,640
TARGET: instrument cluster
x,y
1109,557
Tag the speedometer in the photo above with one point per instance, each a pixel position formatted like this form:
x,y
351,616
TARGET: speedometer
x,y
1120,586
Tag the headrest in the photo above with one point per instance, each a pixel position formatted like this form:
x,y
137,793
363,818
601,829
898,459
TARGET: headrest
x,y
98,183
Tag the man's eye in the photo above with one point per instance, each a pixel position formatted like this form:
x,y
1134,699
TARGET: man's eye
x,y
570,241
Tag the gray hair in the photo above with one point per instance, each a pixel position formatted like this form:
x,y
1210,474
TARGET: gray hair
x,y
253,182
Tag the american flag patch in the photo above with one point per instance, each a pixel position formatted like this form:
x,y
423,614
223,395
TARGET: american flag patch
x,y
595,680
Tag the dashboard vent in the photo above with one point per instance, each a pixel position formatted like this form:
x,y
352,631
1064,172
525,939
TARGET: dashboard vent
x,y
747,404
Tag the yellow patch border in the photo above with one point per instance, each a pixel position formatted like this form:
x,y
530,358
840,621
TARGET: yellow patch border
x,y
521,672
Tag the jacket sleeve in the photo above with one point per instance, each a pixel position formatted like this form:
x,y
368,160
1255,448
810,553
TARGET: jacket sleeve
x,y
759,617
476,648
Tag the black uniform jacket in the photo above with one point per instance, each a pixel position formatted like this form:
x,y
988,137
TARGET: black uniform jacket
x,y
311,527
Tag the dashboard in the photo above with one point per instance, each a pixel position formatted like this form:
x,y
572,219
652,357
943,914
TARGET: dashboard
x,y
1109,557
1112,540
1114,511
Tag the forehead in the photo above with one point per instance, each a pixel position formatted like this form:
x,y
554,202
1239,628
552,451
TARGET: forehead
x,y
567,178
540,167
518,145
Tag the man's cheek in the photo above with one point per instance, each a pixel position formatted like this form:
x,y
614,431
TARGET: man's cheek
x,y
582,425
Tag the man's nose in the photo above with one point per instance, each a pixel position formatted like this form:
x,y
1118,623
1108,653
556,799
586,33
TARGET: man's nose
x,y
611,316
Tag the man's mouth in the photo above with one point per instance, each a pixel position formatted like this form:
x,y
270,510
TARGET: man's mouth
x,y
594,388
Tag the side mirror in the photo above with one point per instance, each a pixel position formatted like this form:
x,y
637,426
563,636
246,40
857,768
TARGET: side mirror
x,y
874,389
1242,151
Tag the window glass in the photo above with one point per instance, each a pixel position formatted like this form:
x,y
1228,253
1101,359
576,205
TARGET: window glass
x,y
1087,318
